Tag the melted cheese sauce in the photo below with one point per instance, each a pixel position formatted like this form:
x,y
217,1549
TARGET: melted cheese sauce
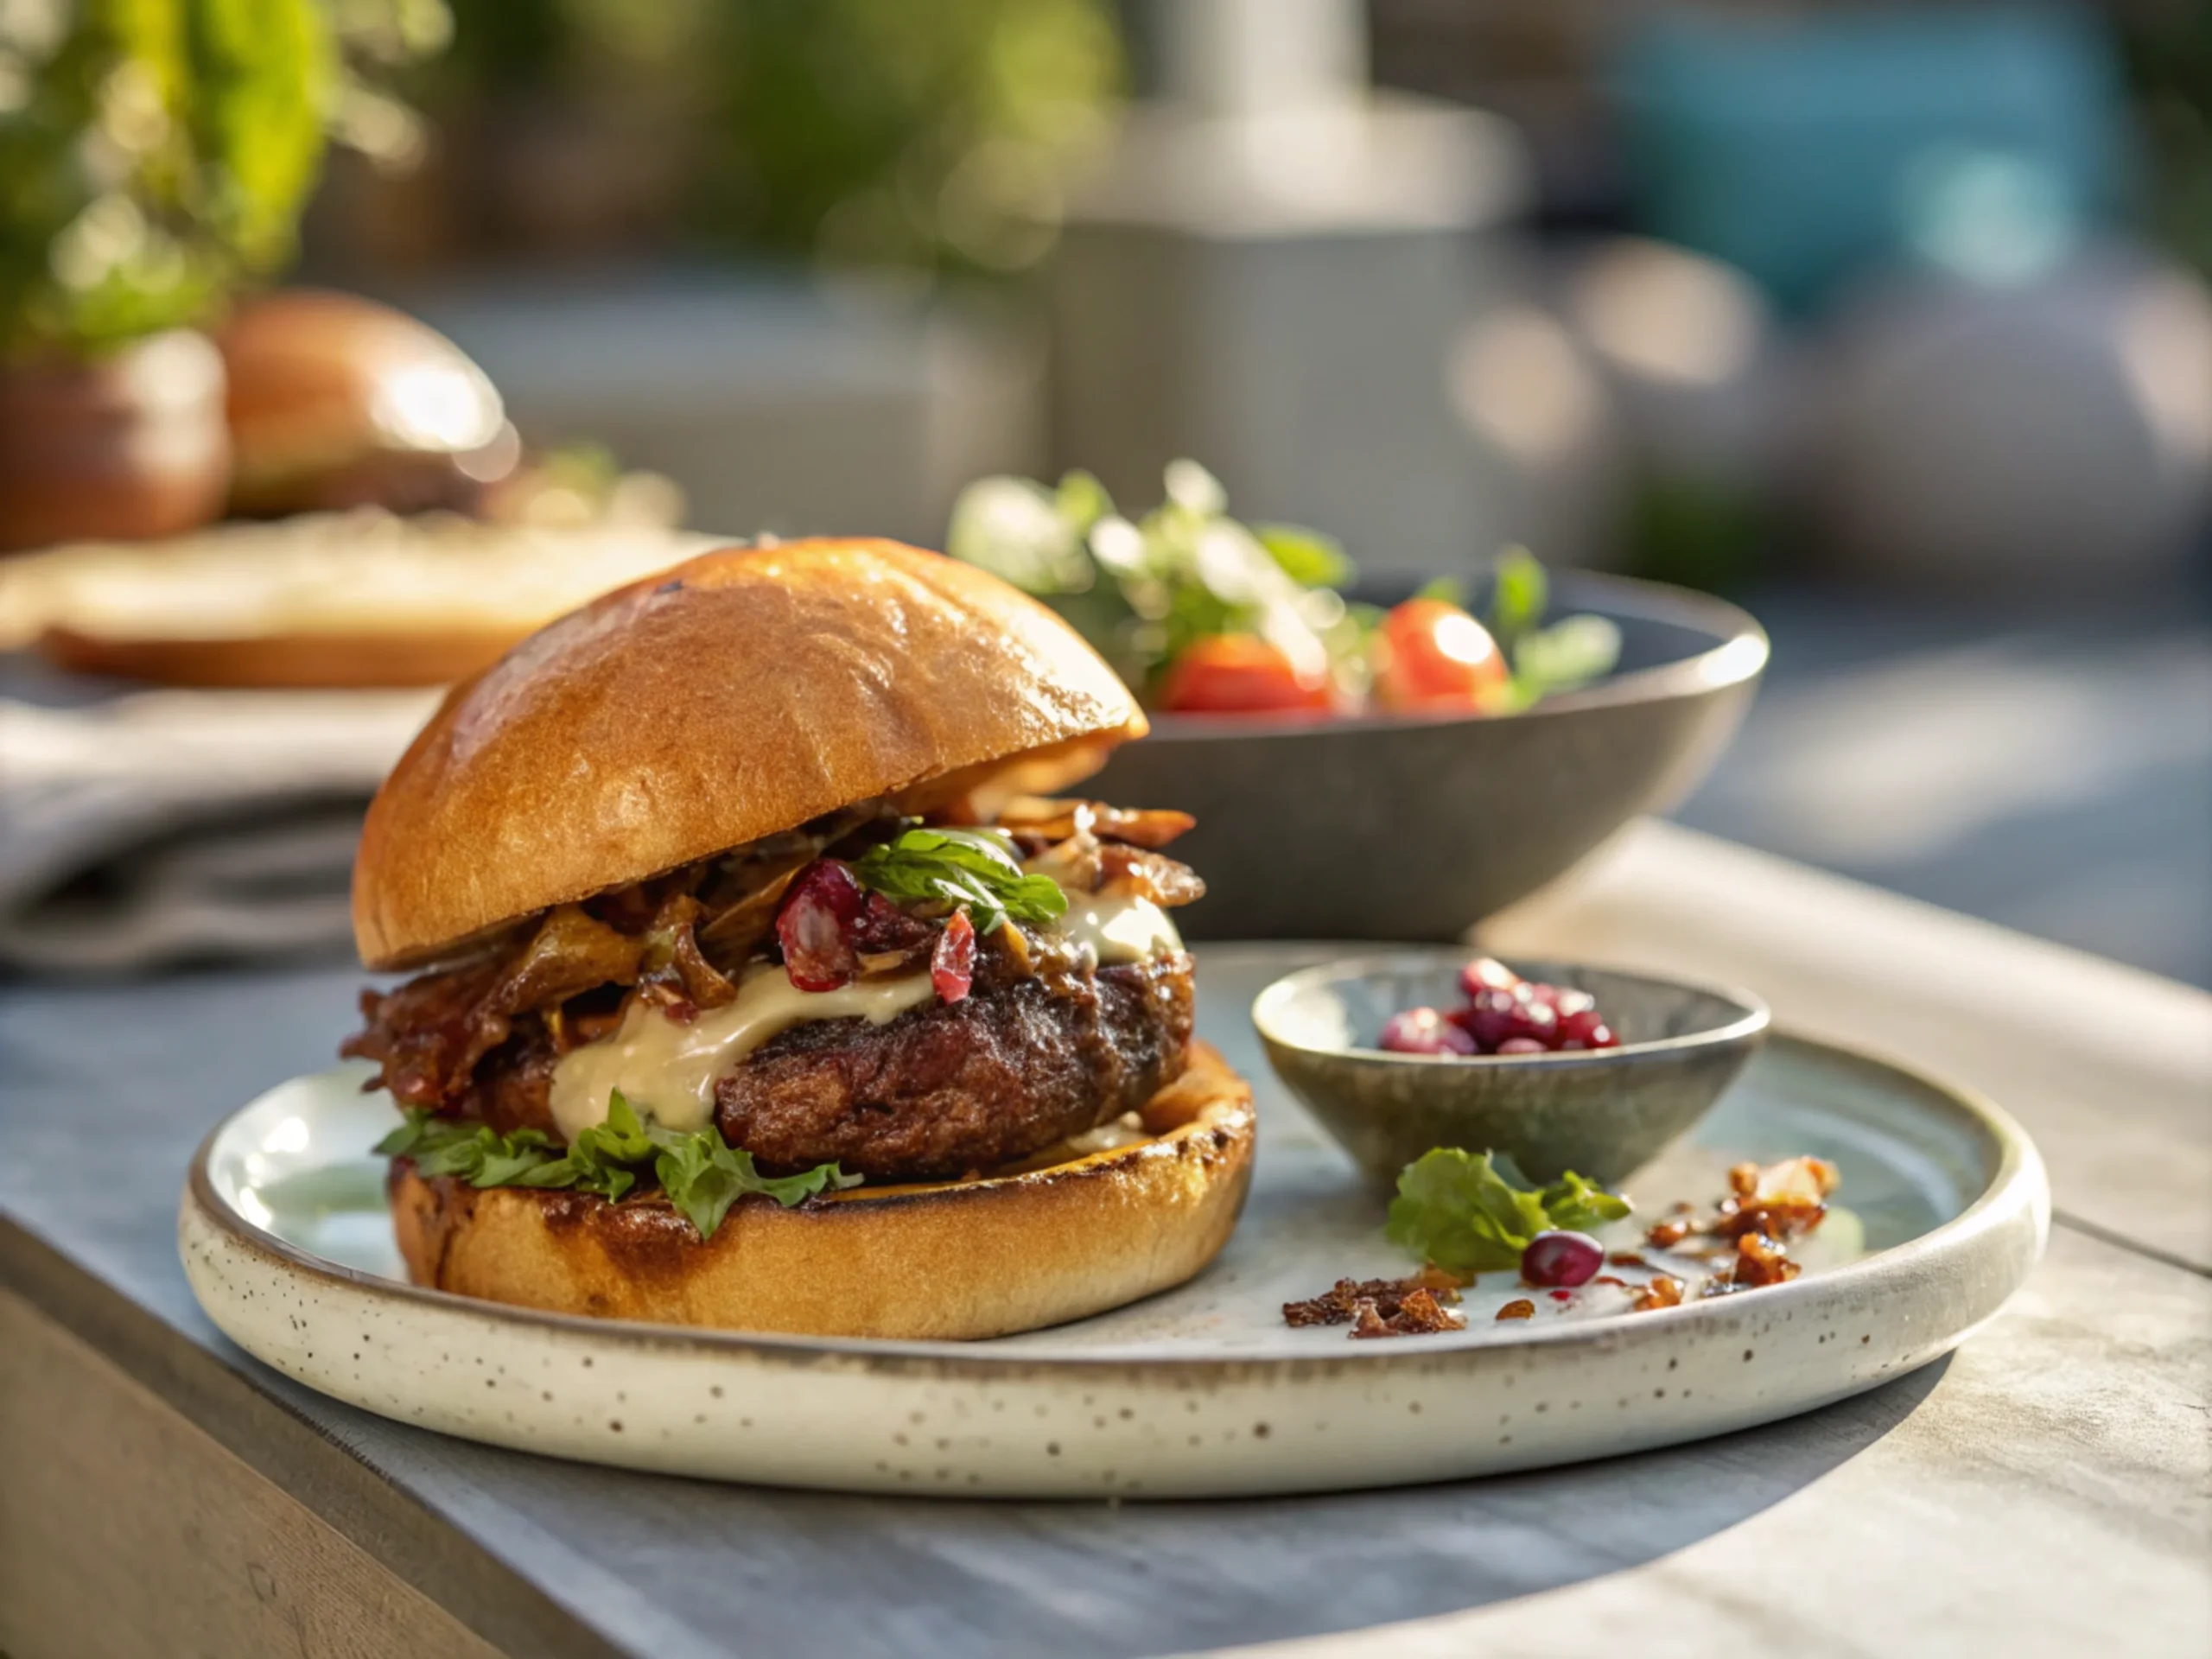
x,y
1119,928
1113,928
667,1071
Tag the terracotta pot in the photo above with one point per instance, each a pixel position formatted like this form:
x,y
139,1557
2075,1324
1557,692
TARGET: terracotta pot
x,y
125,446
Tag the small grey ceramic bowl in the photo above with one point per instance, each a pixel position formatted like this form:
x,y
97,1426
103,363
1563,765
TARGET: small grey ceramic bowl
x,y
1602,1114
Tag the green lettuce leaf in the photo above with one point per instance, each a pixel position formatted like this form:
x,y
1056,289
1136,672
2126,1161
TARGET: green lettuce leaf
x,y
1581,1206
962,867
703,1175
1452,590
1307,557
701,1172
1575,651
1470,1213
1519,596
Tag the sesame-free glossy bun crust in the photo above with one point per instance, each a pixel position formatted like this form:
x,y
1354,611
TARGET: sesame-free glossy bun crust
x,y
741,693
318,379
965,1259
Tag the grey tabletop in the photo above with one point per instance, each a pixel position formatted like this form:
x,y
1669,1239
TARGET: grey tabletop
x,y
2049,1485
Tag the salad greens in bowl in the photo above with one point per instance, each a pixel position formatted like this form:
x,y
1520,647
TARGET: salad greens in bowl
x,y
1367,764
1202,615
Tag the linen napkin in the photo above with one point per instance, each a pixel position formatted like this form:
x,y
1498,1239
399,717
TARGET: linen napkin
x,y
172,826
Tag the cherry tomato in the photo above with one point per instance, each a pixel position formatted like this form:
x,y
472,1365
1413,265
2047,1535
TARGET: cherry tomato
x,y
1234,674
1434,655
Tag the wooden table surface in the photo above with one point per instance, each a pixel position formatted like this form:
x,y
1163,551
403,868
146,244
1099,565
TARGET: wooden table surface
x,y
2046,1490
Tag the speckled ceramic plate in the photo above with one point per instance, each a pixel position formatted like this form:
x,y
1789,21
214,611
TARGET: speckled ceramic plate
x,y
1202,1390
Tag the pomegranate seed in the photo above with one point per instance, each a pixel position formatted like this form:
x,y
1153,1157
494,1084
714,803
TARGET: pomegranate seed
x,y
1562,1295
1535,1020
1486,974
1502,1009
952,963
1490,1018
815,926
1561,1258
883,928
1424,1031
1576,1025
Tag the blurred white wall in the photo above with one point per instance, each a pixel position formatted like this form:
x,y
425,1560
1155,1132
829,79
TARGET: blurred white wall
x,y
777,404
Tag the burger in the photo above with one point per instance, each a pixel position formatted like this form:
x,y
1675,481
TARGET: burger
x,y
767,980
336,402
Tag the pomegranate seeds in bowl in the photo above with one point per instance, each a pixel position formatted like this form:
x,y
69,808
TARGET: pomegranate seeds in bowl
x,y
1424,1031
1504,1014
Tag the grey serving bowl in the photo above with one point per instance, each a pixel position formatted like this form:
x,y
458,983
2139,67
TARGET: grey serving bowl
x,y
1410,828
1602,1114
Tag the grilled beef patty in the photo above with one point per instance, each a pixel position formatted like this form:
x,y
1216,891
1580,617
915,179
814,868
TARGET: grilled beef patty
x,y
948,1088
1025,1060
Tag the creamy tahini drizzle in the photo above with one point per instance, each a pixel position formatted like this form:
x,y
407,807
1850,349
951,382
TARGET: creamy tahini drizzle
x,y
667,1070
1119,930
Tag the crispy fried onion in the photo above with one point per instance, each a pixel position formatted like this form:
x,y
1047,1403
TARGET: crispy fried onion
x,y
430,1033
1082,846
681,940
1057,819
1136,874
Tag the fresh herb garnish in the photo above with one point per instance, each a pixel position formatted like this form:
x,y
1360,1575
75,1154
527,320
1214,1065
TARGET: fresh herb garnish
x,y
1520,594
701,1173
1476,1214
962,867
1562,656
1144,589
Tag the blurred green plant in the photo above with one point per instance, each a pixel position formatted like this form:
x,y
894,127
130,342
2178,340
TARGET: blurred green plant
x,y
1696,533
2168,47
533,46
919,133
152,153
886,131
378,41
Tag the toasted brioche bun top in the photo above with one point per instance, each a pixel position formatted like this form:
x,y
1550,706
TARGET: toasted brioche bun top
x,y
741,693
319,378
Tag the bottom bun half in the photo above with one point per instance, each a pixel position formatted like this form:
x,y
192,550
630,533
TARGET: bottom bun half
x,y
966,1259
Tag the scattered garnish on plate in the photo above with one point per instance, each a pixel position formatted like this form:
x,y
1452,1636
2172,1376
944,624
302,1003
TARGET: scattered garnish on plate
x,y
1749,1234
1470,1214
1466,1214
1203,615
1412,1306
